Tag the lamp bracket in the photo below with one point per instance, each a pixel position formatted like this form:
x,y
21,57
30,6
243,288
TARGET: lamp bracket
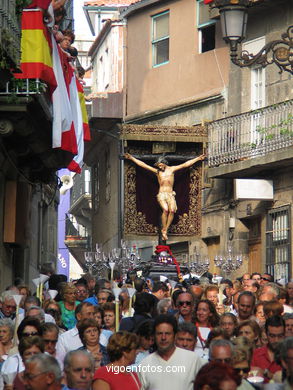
x,y
279,52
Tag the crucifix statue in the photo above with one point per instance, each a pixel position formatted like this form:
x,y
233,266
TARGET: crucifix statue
x,y
166,195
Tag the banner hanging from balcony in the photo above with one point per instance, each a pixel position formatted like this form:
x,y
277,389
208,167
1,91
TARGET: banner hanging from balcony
x,y
63,126
85,121
36,49
76,163
42,58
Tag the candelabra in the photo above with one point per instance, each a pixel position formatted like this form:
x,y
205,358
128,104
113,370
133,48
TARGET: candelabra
x,y
198,265
123,259
229,262
96,263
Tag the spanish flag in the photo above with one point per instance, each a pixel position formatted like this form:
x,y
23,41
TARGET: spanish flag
x,y
85,121
36,49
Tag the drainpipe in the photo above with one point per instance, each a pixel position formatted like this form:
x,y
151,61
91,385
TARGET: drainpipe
x,y
40,240
120,192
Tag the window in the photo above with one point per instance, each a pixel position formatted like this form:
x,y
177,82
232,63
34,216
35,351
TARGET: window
x,y
257,88
257,95
278,244
108,176
206,28
160,38
96,187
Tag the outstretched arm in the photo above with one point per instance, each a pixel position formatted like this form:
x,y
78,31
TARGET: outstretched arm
x,y
188,163
140,163
57,4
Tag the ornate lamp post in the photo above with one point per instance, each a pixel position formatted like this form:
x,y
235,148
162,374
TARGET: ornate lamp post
x,y
233,15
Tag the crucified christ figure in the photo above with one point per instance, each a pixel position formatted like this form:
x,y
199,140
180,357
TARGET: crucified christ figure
x,y
166,195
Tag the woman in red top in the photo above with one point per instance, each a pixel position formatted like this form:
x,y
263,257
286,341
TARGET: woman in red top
x,y
118,375
206,319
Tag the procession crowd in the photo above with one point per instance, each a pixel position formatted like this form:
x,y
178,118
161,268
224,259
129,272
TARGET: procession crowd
x,y
236,334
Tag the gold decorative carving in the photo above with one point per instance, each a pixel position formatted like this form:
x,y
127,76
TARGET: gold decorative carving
x,y
134,222
151,130
188,224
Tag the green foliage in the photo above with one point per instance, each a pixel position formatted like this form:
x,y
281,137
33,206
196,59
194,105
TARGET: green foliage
x,y
27,85
20,5
271,131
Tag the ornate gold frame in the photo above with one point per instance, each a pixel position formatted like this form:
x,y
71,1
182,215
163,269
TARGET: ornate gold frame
x,y
188,224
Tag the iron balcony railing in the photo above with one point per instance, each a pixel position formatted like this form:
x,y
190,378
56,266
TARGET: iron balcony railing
x,y
75,230
24,87
251,134
82,185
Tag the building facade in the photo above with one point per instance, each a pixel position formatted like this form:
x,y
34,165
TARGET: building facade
x,y
29,186
253,141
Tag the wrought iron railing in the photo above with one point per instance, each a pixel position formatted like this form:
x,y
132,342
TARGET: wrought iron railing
x,y
82,185
75,230
24,87
251,134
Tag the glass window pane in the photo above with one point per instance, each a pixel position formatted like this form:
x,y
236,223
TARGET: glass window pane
x,y
161,26
203,13
278,246
161,53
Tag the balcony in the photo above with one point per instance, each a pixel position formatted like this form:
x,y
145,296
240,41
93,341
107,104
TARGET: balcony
x,y
81,198
252,143
76,239
24,105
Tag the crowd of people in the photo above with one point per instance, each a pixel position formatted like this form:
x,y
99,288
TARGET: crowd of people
x,y
236,334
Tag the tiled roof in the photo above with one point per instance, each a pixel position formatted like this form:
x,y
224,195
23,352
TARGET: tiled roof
x,y
118,3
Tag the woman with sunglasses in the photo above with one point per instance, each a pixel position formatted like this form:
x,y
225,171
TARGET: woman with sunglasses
x,y
241,359
68,305
51,307
30,344
206,319
50,333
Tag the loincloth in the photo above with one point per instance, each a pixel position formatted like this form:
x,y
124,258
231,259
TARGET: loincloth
x,y
169,198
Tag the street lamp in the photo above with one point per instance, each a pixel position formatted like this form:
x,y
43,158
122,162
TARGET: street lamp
x,y
233,15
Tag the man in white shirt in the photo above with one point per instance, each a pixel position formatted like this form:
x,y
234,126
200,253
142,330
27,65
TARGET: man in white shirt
x,y
70,340
169,367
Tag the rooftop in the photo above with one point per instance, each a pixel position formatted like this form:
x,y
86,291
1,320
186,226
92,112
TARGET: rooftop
x,y
109,3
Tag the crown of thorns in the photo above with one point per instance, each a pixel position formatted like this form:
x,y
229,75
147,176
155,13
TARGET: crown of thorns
x,y
161,160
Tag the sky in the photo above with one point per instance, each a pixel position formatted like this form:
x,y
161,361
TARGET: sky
x,y
81,27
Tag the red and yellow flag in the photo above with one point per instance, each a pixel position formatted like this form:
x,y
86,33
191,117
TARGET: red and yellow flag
x,y
85,121
36,49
